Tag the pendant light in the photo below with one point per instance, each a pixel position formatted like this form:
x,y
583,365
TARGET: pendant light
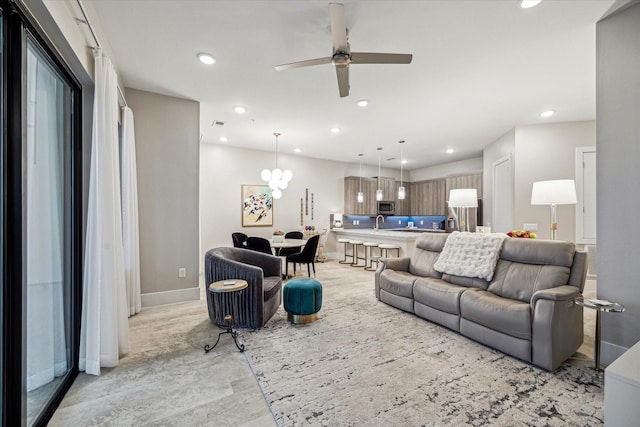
x,y
277,179
379,190
360,193
401,192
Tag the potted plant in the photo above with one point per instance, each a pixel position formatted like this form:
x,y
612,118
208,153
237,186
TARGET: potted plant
x,y
278,236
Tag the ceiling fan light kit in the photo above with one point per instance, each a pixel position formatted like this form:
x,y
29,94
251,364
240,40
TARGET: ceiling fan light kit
x,y
342,57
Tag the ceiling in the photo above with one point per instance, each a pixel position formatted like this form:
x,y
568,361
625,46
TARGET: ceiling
x,y
479,69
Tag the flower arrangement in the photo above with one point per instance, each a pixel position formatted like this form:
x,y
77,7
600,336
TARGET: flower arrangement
x,y
278,236
526,234
278,233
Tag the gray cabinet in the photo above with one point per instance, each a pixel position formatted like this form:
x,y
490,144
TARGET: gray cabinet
x,y
427,197
351,187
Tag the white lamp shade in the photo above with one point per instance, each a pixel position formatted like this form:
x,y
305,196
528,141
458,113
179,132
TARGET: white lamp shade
x,y
555,192
276,193
276,174
287,175
283,184
266,175
463,198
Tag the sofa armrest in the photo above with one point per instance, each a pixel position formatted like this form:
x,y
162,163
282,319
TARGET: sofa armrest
x,y
557,326
560,293
397,264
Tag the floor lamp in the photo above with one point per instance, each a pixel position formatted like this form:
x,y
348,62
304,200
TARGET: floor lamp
x,y
462,199
554,193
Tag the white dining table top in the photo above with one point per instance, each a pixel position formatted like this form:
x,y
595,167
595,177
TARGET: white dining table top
x,y
288,243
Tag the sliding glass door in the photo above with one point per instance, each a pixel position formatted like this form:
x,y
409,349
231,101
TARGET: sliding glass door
x,y
41,226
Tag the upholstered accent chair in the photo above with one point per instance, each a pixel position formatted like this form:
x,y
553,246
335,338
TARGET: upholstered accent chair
x,y
239,240
263,273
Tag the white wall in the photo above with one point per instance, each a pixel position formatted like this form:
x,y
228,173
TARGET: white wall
x,y
618,174
224,169
446,169
546,152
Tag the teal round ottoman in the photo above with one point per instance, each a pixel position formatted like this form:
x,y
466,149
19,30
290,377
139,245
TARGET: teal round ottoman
x,y
302,300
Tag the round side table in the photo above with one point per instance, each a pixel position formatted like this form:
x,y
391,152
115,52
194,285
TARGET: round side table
x,y
222,288
599,306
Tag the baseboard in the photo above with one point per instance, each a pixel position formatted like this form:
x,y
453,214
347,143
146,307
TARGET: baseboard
x,y
170,297
610,352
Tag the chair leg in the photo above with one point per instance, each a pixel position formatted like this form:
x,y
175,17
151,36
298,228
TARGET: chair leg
x,y
286,269
309,269
313,264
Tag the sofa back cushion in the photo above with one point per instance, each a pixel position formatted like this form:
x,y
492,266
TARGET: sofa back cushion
x,y
428,247
527,266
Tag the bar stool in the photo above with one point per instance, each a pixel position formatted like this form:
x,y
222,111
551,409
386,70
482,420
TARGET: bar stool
x,y
368,255
345,242
376,259
386,247
355,257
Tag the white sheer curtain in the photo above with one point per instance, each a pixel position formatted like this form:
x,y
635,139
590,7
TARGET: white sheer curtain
x,y
104,333
46,342
130,231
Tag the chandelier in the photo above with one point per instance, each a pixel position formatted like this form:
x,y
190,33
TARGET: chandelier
x,y
401,191
277,179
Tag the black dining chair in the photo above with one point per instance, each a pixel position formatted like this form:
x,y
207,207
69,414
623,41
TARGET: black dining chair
x,y
259,244
306,256
289,251
239,240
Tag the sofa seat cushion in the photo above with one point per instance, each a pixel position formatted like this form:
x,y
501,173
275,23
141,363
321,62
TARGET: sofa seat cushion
x,y
270,286
438,294
397,282
504,315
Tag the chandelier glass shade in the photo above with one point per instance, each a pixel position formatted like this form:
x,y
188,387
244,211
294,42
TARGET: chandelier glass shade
x,y
401,191
360,193
277,178
379,194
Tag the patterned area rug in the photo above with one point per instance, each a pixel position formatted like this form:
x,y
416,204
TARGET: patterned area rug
x,y
366,363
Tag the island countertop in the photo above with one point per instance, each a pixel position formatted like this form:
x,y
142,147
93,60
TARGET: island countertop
x,y
403,238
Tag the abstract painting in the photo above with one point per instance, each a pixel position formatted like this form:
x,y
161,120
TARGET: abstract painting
x,y
257,206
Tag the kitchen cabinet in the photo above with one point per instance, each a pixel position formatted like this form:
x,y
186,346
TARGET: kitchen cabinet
x,y
351,188
428,197
403,206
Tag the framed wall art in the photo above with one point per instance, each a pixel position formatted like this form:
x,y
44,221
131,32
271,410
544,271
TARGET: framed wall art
x,y
257,206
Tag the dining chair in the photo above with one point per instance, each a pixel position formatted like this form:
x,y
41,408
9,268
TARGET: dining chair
x,y
259,244
306,256
289,251
239,240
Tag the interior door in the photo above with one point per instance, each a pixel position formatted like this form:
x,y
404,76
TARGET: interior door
x,y
586,192
502,215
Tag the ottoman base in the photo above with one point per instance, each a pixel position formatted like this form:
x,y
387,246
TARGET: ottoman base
x,y
302,318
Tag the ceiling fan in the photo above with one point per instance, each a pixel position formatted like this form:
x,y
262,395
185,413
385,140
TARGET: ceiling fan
x,y
342,56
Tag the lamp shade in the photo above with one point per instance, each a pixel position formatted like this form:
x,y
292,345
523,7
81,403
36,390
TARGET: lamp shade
x,y
555,192
463,198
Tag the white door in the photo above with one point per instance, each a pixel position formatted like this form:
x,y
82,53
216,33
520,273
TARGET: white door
x,y
586,192
502,215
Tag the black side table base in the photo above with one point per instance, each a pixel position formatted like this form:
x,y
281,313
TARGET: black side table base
x,y
234,335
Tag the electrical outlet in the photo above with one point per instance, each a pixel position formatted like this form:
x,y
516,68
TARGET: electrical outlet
x,y
182,272
530,227
399,221
421,222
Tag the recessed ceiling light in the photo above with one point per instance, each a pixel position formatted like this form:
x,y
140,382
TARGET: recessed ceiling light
x,y
362,103
450,150
205,58
223,139
526,4
547,113
404,162
335,130
239,109
297,150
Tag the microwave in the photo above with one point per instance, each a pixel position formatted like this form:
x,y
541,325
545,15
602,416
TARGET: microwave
x,y
386,208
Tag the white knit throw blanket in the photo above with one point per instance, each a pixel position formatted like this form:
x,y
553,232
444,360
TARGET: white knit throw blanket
x,y
470,254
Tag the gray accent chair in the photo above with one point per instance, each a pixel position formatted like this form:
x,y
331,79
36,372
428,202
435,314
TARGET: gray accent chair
x,y
528,309
263,273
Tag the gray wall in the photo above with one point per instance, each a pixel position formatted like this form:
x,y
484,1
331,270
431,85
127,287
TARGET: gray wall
x,y
167,150
618,174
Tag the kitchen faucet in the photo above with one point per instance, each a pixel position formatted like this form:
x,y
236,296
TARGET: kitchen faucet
x,y
379,217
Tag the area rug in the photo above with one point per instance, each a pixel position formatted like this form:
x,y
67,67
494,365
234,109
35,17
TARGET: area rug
x,y
366,363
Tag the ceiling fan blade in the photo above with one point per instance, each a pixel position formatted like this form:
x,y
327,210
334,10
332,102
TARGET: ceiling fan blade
x,y
301,64
380,58
343,81
338,28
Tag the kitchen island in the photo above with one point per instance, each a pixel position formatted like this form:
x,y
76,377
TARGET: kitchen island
x,y
405,238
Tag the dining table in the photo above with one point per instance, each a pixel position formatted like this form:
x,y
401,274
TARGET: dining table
x,y
286,243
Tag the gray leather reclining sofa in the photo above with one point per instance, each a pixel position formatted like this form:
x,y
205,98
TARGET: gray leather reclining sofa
x,y
263,273
527,310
